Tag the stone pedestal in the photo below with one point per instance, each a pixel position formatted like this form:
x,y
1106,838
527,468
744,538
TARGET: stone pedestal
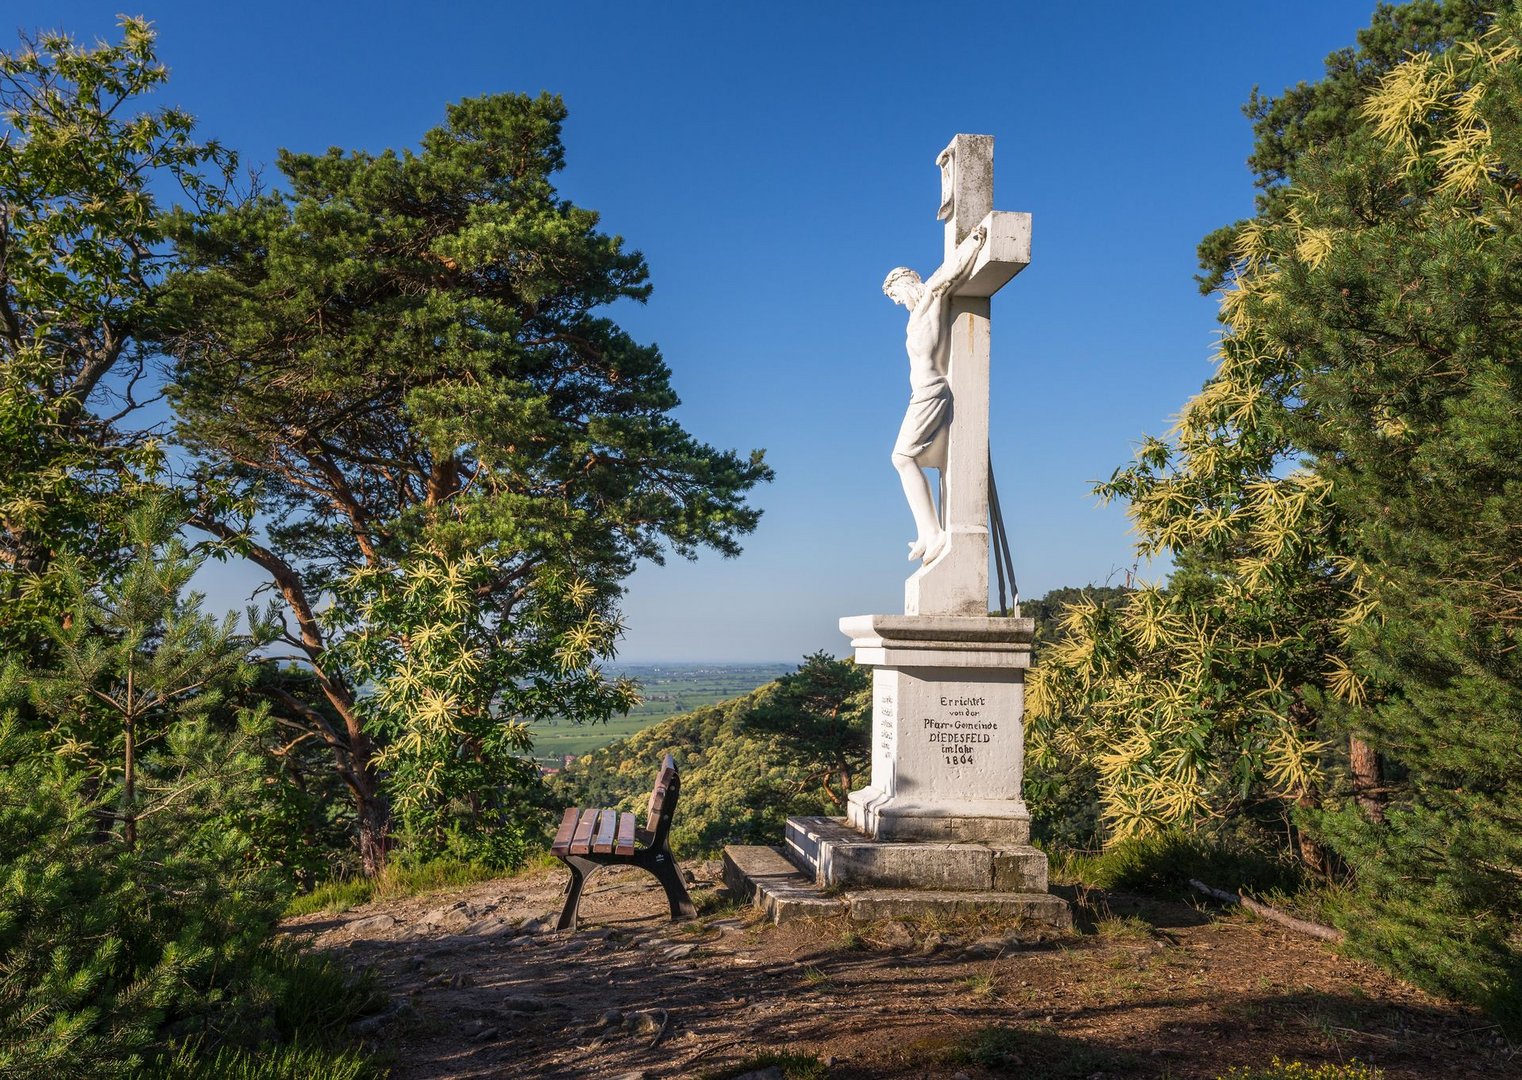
x,y
948,697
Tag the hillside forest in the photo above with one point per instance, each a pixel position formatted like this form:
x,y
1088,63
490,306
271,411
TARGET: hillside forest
x,y
388,382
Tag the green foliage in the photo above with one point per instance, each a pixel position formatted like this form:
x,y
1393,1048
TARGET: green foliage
x,y
398,363
133,909
823,715
1037,1054
401,878
300,1007
140,673
1291,124
742,774
1165,862
1393,291
1062,790
291,1062
338,895
734,787
1298,1070
452,690
103,948
1341,504
303,826
80,243
1047,611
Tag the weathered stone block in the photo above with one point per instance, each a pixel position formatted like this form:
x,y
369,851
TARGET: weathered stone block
x,y
1020,870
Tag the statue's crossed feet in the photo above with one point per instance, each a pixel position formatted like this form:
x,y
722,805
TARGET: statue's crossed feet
x,y
929,551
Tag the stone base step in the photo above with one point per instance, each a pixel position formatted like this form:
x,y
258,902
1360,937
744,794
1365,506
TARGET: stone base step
x,y
1044,908
834,852
762,877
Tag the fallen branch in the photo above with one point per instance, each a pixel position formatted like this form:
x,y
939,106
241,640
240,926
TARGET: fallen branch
x,y
1274,915
711,1048
665,1019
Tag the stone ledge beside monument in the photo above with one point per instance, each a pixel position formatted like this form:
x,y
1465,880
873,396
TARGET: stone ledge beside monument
x,y
761,877
836,855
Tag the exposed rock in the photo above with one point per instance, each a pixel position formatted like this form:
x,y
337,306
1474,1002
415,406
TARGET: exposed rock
x,y
457,979
645,1023
451,919
680,952
373,924
491,926
523,1003
608,1018
369,1025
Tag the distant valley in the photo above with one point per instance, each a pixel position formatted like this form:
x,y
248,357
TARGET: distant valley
x,y
667,689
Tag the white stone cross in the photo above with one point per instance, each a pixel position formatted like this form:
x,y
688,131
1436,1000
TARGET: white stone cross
x,y
955,582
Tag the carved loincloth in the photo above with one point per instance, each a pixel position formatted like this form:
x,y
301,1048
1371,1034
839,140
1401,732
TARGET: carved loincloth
x,y
928,414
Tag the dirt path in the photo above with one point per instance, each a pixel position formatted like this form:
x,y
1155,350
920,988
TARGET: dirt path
x,y
481,988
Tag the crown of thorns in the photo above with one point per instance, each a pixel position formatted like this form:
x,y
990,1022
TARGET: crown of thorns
x,y
902,273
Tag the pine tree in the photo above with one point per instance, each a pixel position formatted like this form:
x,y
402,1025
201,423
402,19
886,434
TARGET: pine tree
x,y
128,898
1343,501
823,713
1205,699
400,362
1397,289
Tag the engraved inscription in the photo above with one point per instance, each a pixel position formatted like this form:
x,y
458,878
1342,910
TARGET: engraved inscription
x,y
961,733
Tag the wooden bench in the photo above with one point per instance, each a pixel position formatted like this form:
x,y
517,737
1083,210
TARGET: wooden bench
x,y
592,837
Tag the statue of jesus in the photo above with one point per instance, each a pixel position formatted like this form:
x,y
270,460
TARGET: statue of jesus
x,y
922,439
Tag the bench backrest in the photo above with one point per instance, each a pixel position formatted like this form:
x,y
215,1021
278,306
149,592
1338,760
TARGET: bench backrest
x,y
663,797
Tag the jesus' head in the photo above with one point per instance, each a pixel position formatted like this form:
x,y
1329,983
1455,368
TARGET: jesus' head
x,y
904,286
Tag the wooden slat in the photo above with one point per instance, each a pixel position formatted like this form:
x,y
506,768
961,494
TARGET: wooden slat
x,y
625,834
653,806
657,803
607,821
567,829
583,838
658,796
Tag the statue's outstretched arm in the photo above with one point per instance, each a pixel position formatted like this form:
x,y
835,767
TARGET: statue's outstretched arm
x,y
952,274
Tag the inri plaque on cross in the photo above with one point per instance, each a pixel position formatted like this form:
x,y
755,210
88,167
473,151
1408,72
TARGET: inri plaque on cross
x,y
948,343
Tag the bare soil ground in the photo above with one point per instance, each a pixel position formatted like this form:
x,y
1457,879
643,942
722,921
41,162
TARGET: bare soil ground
x,y
482,988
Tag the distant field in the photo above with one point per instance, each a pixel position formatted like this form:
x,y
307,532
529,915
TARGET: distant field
x,y
667,689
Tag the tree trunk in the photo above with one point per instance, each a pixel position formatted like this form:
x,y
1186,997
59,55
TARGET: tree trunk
x,y
374,812
129,784
1312,853
829,789
1368,778
352,749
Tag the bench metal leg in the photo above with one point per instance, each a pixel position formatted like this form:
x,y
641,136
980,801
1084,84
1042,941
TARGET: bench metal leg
x,y
581,869
664,867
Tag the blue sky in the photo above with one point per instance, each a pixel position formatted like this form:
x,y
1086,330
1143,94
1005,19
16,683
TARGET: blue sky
x,y
773,162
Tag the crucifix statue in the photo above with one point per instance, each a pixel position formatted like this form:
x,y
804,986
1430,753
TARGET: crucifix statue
x,y
946,425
